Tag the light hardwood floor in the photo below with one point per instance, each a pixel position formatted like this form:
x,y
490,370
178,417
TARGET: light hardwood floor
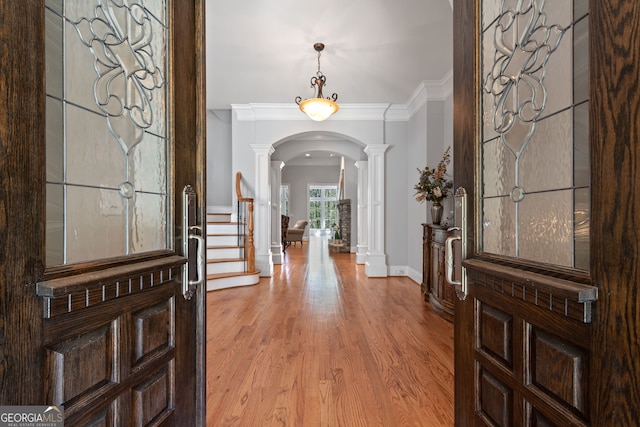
x,y
320,344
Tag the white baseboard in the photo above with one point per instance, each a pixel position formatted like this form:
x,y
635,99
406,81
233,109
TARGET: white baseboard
x,y
415,275
397,270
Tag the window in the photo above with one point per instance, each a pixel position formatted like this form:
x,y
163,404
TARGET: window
x,y
284,199
323,207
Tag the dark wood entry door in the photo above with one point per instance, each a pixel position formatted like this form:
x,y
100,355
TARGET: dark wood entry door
x,y
115,342
534,344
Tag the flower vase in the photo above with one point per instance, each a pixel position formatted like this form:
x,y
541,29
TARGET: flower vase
x,y
436,213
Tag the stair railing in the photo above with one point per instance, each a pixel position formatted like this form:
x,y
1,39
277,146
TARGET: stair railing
x,y
245,227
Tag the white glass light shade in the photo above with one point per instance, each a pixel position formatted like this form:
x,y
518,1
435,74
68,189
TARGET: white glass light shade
x,y
318,109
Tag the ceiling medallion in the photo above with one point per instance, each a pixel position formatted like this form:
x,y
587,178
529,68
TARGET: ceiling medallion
x,y
318,108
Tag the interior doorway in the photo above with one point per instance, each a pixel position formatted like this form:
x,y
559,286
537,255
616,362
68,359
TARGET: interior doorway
x,y
323,208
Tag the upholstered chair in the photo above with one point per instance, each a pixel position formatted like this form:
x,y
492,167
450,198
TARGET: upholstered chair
x,y
295,233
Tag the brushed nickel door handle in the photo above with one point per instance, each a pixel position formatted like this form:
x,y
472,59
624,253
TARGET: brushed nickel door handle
x,y
460,286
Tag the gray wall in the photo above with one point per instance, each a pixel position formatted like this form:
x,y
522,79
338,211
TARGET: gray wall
x,y
430,132
396,197
220,182
417,212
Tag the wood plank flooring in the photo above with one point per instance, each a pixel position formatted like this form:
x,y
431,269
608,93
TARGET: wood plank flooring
x,y
320,344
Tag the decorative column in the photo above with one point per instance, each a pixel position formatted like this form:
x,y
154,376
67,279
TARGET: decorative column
x,y
376,263
264,261
276,224
362,236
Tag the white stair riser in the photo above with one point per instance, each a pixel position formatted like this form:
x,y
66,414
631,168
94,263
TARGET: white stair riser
x,y
225,267
231,282
223,229
218,217
224,253
223,240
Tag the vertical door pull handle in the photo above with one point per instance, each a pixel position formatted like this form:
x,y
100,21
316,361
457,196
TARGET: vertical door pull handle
x,y
199,260
461,227
448,255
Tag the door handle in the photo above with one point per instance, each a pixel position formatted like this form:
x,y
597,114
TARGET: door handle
x,y
200,260
448,253
191,232
460,286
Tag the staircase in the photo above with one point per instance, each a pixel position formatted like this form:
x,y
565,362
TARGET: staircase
x,y
226,266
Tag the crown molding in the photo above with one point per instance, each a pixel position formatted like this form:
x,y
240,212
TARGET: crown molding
x,y
266,111
427,90
430,90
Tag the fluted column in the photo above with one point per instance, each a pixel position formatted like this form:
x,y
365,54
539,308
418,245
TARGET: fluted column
x,y
264,261
376,262
276,223
362,233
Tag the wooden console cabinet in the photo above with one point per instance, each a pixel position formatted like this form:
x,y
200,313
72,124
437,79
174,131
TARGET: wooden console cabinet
x,y
434,286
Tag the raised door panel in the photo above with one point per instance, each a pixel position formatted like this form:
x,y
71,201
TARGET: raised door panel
x,y
114,362
531,362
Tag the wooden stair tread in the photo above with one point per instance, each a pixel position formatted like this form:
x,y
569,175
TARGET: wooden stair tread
x,y
216,260
225,275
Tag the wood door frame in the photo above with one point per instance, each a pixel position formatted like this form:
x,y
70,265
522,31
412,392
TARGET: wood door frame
x,y
22,188
614,38
22,201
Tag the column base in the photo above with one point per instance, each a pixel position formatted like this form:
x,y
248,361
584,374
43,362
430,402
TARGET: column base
x,y
361,254
264,263
376,265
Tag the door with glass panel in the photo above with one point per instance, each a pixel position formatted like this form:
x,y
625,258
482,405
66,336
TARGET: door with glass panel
x,y
525,291
323,207
115,316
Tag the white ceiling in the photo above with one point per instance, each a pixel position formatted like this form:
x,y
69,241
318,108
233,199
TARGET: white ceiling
x,y
377,51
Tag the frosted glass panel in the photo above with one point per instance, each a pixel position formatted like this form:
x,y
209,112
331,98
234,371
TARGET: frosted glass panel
x,y
558,80
581,166
498,166
55,140
108,146
55,224
580,8
96,224
540,171
146,165
535,135
149,223
581,61
55,5
93,157
545,222
582,215
53,55
499,226
490,12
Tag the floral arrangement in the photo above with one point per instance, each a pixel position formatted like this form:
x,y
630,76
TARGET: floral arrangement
x,y
434,185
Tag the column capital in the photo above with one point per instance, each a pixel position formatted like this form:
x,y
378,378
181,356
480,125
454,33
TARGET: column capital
x,y
263,148
362,164
373,149
277,164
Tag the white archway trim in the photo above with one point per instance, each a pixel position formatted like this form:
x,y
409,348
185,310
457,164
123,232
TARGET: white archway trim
x,y
376,263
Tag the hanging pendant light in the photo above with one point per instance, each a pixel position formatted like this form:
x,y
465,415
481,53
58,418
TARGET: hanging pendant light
x,y
318,108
